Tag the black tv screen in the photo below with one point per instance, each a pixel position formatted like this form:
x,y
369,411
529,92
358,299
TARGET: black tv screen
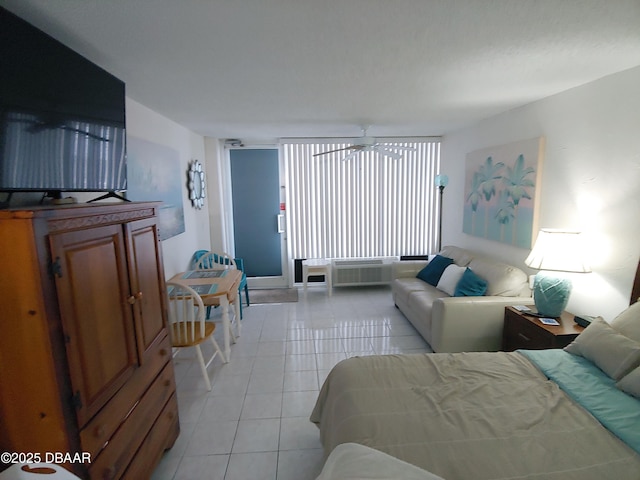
x,y
62,118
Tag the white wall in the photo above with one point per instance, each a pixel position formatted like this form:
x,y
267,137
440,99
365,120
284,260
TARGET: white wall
x,y
591,181
153,127
220,210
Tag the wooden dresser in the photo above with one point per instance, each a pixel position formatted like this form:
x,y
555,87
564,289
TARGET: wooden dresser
x,y
85,360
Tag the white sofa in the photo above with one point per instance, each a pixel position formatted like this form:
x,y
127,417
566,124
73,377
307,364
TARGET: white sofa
x,y
460,324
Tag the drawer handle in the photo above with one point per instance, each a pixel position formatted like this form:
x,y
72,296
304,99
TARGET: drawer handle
x,y
524,337
163,351
99,431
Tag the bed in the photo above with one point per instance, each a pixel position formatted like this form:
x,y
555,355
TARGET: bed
x,y
544,414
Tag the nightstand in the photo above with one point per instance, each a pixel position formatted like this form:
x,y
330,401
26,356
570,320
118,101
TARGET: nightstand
x,y
527,331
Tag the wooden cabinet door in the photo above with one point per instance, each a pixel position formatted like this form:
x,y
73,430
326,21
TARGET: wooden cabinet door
x,y
147,282
92,284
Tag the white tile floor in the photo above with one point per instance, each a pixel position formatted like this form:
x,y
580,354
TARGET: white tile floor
x,y
254,423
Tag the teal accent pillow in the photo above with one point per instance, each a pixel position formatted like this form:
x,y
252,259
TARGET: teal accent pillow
x,y
470,285
434,269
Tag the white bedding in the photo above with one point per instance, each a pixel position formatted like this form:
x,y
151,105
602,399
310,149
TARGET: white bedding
x,y
351,461
468,416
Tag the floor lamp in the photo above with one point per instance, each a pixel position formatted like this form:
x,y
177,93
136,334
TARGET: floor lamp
x,y
441,182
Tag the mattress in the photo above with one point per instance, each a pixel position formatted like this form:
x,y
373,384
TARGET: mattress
x,y
474,415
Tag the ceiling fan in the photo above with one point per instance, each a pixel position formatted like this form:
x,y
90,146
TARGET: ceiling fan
x,y
369,144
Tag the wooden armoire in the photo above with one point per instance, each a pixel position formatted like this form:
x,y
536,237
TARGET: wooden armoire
x,y
85,359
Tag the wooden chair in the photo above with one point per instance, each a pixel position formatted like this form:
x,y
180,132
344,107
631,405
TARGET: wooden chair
x,y
187,324
205,260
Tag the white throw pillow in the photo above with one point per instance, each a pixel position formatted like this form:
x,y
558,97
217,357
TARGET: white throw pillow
x,y
450,278
630,383
614,353
628,322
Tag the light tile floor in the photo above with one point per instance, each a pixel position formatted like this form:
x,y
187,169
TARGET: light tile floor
x,y
254,423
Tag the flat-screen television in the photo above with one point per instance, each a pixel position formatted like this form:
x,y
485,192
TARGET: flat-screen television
x,y
62,118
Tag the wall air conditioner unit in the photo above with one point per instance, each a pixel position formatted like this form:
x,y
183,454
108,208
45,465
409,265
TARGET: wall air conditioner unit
x,y
362,271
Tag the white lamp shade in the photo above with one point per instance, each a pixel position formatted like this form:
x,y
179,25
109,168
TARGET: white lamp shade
x,y
558,250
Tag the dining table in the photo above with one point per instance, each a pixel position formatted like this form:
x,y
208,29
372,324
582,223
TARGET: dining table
x,y
217,288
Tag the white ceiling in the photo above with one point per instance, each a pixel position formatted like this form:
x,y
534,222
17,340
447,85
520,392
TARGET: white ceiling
x,y
257,69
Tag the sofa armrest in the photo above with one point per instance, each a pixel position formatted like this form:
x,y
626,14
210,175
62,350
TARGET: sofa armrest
x,y
470,324
407,268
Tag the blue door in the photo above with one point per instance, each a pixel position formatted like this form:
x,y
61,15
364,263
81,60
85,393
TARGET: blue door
x,y
257,225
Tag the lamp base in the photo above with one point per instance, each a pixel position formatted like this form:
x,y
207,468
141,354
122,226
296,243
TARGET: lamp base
x,y
551,294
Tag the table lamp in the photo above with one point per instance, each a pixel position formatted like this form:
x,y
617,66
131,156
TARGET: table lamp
x,y
560,251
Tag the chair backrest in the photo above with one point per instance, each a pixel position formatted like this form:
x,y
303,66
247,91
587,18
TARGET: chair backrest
x,y
186,314
239,263
215,261
197,255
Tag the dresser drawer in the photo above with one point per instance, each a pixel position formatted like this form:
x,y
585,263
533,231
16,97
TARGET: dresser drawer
x,y
100,429
162,436
519,332
116,455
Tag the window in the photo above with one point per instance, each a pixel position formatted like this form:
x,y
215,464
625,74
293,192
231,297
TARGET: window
x,y
370,205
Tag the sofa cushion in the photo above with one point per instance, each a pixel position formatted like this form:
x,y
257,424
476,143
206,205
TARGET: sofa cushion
x,y
502,279
460,256
403,287
470,285
423,302
450,278
433,271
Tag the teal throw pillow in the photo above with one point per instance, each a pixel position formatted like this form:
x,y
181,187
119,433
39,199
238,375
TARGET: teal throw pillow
x,y
470,285
433,271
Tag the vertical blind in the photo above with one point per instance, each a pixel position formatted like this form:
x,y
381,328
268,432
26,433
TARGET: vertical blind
x,y
368,206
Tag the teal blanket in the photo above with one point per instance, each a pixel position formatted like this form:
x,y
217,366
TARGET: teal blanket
x,y
590,387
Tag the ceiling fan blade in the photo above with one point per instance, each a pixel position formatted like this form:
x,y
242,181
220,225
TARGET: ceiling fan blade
x,y
352,155
351,147
388,153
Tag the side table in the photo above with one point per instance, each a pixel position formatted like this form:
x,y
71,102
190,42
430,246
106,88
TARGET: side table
x,y
528,332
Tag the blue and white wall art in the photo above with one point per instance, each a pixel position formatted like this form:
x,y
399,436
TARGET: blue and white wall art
x,y
153,173
501,194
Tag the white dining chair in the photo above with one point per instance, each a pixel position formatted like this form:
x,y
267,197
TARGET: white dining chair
x,y
188,326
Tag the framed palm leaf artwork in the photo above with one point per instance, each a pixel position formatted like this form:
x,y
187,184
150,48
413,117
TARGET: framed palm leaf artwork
x,y
501,194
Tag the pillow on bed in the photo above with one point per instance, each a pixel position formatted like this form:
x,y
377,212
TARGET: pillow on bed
x,y
628,322
470,285
615,354
450,278
434,269
630,383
